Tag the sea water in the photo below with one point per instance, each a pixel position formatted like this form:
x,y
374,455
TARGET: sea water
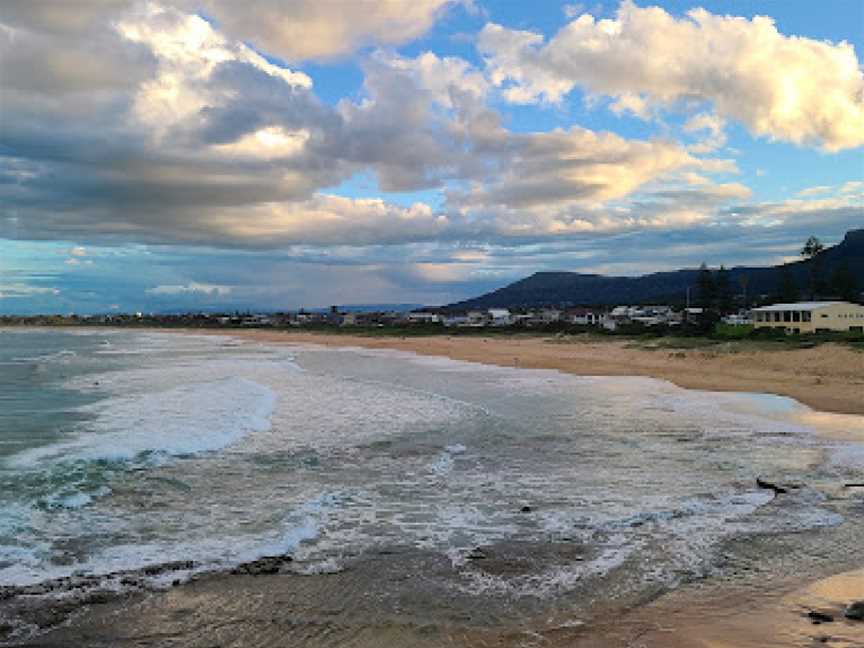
x,y
123,449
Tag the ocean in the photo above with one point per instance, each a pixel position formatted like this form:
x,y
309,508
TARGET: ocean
x,y
122,450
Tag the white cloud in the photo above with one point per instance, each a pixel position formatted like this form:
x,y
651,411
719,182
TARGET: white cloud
x,y
308,29
815,191
330,220
15,290
783,87
841,191
713,125
578,165
192,287
212,144
188,50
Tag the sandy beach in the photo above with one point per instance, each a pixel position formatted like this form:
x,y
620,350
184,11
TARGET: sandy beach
x,y
828,377
763,601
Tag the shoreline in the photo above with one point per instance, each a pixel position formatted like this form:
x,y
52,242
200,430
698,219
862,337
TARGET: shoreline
x,y
264,609
828,378
711,613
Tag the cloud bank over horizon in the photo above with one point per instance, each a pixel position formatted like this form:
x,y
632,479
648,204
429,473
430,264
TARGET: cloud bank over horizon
x,y
426,146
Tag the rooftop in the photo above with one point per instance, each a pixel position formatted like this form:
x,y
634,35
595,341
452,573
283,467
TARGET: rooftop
x,y
801,306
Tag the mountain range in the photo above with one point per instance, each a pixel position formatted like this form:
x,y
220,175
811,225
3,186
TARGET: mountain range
x,y
574,288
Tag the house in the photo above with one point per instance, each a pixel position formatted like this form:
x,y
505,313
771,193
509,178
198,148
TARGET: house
x,y
810,317
550,315
741,318
476,318
422,317
455,320
499,317
583,317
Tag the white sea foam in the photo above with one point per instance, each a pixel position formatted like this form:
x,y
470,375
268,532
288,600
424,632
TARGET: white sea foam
x,y
182,420
27,565
64,356
422,487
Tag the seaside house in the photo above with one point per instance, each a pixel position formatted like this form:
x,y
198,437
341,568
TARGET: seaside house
x,y
499,317
811,317
422,317
455,320
550,315
476,318
741,318
583,317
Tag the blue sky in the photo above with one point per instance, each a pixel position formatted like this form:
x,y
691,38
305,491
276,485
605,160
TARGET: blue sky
x,y
196,154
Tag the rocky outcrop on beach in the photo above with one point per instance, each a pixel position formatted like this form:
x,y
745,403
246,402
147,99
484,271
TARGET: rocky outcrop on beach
x,y
855,611
266,565
27,610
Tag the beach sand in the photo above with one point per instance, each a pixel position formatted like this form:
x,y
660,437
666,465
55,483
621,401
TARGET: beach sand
x,y
828,378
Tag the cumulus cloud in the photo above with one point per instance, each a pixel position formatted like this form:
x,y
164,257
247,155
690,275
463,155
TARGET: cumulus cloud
x,y
215,133
204,141
542,169
190,288
783,87
304,29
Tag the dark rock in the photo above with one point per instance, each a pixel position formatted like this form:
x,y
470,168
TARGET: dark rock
x,y
778,490
98,597
855,611
54,614
476,554
525,509
263,566
177,565
819,617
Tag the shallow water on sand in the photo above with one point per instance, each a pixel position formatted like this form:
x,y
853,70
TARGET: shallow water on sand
x,y
124,449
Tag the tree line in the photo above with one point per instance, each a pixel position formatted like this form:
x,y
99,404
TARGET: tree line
x,y
715,290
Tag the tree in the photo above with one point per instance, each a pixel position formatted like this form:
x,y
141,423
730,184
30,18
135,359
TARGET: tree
x,y
844,284
723,290
743,281
705,287
811,251
787,290
812,247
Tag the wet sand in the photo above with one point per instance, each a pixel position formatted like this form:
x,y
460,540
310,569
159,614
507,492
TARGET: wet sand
x,y
829,377
392,601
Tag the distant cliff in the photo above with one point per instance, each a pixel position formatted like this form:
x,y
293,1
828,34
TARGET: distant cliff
x,y
574,288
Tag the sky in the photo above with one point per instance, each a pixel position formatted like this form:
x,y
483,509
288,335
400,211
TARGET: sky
x,y
272,155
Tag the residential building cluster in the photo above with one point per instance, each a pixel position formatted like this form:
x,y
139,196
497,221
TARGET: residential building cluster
x,y
798,317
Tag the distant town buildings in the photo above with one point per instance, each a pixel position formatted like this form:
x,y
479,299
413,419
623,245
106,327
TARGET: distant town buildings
x,y
790,318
